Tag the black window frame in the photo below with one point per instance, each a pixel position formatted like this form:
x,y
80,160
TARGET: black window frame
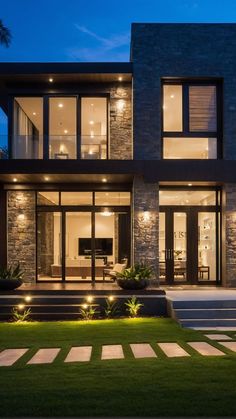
x,y
186,133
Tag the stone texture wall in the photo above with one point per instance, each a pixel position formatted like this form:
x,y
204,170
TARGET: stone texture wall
x,y
22,231
121,123
145,224
45,246
229,236
179,50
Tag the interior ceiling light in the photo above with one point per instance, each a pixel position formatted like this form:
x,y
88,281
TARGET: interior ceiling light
x,y
60,105
190,184
34,113
104,180
120,78
172,96
14,179
50,80
91,122
46,178
65,131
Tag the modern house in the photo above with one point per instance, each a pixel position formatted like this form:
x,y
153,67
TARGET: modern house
x,y
124,161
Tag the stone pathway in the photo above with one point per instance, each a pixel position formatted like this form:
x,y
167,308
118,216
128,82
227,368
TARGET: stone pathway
x,y
112,352
8,357
218,337
44,356
172,350
229,345
205,349
79,354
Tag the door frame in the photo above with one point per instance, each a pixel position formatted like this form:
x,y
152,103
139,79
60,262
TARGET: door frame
x,y
192,242
92,209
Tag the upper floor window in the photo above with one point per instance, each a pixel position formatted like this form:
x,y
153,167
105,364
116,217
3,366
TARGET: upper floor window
x,y
74,127
190,123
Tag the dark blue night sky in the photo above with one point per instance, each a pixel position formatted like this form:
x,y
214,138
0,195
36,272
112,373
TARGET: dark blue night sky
x,y
94,30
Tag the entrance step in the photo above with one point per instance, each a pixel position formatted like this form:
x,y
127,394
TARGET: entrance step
x,y
203,313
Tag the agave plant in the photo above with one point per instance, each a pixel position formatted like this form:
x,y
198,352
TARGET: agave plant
x,y
137,272
13,272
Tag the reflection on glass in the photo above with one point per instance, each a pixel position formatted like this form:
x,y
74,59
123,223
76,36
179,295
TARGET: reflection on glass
x,y
180,246
202,108
189,148
62,128
206,246
94,128
78,246
76,198
28,128
188,197
162,246
112,198
172,108
47,198
49,245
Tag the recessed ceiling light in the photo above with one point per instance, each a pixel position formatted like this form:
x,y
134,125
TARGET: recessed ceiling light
x,y
60,105
120,78
91,122
50,80
14,179
34,113
92,104
172,96
46,178
104,180
65,131
190,184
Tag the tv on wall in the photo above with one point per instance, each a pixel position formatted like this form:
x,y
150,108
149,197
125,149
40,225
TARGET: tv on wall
x,y
103,246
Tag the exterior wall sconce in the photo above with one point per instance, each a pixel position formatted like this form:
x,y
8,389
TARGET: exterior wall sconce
x,y
146,214
120,105
21,216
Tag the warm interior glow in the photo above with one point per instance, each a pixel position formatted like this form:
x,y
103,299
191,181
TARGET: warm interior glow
x,y
172,108
189,148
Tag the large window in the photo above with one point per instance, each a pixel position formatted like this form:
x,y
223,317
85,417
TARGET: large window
x,y
94,128
190,124
28,128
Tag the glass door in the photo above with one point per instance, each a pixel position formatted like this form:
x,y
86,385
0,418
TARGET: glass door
x,y
178,253
78,246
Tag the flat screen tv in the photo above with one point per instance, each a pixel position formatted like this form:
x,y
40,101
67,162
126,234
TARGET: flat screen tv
x,y
103,246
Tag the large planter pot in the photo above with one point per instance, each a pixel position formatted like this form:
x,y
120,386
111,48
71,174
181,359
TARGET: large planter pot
x,y
10,284
131,284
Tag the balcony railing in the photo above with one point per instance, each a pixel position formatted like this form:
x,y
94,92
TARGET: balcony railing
x,y
60,147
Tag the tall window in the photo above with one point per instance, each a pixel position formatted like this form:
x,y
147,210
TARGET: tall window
x,y
94,128
190,123
62,128
28,128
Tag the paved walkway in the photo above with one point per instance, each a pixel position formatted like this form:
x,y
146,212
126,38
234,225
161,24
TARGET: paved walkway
x,y
9,357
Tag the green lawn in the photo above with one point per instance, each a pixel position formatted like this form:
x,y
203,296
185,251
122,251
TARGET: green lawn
x,y
194,386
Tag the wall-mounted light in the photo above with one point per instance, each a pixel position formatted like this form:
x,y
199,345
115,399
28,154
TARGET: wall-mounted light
x,y
120,104
120,78
14,179
50,80
89,298
104,180
21,217
146,213
46,178
28,298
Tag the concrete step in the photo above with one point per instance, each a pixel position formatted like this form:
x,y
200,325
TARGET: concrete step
x,y
211,313
208,323
202,304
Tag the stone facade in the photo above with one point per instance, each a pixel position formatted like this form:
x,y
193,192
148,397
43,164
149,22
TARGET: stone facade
x,y
22,231
179,50
145,223
121,123
229,236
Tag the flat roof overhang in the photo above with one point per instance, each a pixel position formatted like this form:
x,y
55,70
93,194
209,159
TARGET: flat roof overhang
x,y
118,171
64,72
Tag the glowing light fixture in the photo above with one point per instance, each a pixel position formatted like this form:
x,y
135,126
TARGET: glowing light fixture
x,y
50,80
111,298
120,78
14,179
21,306
28,298
21,217
172,96
91,122
104,180
190,184
65,131
46,178
85,305
60,105
34,113
89,298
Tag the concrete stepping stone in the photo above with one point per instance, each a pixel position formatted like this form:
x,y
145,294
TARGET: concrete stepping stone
x,y
172,350
205,348
142,350
218,337
9,356
229,345
79,354
112,352
44,356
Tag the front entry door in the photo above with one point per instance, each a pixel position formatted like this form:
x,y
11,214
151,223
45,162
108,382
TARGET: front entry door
x,y
187,245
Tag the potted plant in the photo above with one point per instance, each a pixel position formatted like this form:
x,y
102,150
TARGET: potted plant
x,y
11,278
135,278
